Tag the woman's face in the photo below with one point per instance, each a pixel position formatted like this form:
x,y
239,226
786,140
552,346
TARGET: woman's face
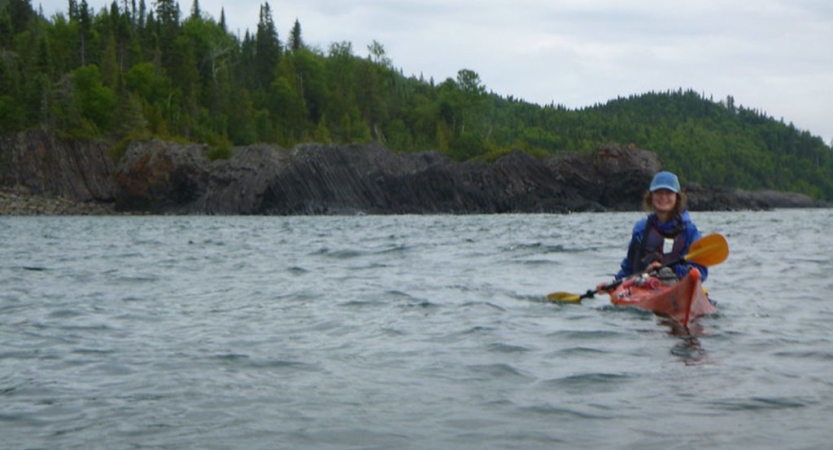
x,y
664,201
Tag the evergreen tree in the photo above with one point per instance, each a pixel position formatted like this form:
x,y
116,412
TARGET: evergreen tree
x,y
21,14
73,10
167,31
267,47
196,12
12,111
129,117
295,41
84,30
141,18
7,31
167,14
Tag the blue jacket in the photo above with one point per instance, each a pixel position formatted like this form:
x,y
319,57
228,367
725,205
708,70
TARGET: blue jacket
x,y
690,232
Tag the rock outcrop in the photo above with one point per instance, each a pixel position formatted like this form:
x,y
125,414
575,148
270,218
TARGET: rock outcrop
x,y
701,198
163,177
39,163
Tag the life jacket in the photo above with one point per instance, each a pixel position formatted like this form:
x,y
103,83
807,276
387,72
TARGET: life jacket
x,y
653,245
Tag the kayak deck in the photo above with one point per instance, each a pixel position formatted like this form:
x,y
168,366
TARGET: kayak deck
x,y
683,302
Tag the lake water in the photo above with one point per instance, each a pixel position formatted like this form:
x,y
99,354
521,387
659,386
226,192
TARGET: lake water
x,y
403,332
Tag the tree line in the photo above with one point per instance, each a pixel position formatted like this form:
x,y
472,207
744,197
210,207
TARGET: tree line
x,y
130,71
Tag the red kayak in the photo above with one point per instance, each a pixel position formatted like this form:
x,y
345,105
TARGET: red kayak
x,y
684,301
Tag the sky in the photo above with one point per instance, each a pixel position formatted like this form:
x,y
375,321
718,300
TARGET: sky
x,y
770,55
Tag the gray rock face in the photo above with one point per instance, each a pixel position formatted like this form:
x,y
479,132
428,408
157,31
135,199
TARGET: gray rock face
x,y
163,177
702,198
315,179
38,163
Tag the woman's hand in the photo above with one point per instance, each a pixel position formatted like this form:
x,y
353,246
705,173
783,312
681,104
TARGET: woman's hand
x,y
656,265
602,287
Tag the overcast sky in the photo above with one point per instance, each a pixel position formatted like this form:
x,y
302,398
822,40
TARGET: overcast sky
x,y
770,55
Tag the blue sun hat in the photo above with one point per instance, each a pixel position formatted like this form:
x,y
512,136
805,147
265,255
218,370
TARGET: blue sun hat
x,y
665,180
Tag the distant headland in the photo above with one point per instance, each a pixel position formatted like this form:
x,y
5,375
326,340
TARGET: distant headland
x,y
41,173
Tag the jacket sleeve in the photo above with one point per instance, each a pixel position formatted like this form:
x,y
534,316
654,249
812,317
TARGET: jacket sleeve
x,y
626,267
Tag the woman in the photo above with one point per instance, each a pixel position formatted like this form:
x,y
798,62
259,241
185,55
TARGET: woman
x,y
662,238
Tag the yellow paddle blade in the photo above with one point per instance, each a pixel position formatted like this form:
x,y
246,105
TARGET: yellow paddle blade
x,y
709,250
564,297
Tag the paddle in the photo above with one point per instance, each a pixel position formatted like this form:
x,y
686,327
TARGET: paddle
x,y
709,250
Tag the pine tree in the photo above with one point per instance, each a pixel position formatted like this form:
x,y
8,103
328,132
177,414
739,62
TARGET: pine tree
x,y
167,14
168,26
6,29
267,47
142,17
196,12
84,30
21,13
12,112
73,10
295,41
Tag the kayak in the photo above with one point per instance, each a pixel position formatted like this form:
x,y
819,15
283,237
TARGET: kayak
x,y
684,301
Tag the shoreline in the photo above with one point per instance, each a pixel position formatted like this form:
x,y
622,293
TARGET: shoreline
x,y
16,204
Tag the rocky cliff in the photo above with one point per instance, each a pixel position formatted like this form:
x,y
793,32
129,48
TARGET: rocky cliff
x,y
162,177
38,163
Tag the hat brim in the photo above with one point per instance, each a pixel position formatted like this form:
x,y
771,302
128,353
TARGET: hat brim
x,y
664,186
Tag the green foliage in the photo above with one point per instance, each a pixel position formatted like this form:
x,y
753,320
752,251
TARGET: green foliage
x,y
129,73
96,101
466,146
148,82
11,114
119,148
296,43
267,46
496,154
20,13
219,151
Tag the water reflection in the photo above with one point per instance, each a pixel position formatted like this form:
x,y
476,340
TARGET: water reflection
x,y
688,346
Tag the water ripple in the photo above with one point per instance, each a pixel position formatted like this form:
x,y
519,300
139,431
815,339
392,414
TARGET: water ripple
x,y
760,404
402,332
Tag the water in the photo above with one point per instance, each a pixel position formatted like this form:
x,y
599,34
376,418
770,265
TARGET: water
x,y
405,332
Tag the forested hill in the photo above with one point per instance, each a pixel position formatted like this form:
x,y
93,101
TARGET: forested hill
x,y
132,71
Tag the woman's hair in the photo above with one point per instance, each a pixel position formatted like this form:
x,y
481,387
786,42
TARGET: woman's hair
x,y
679,207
